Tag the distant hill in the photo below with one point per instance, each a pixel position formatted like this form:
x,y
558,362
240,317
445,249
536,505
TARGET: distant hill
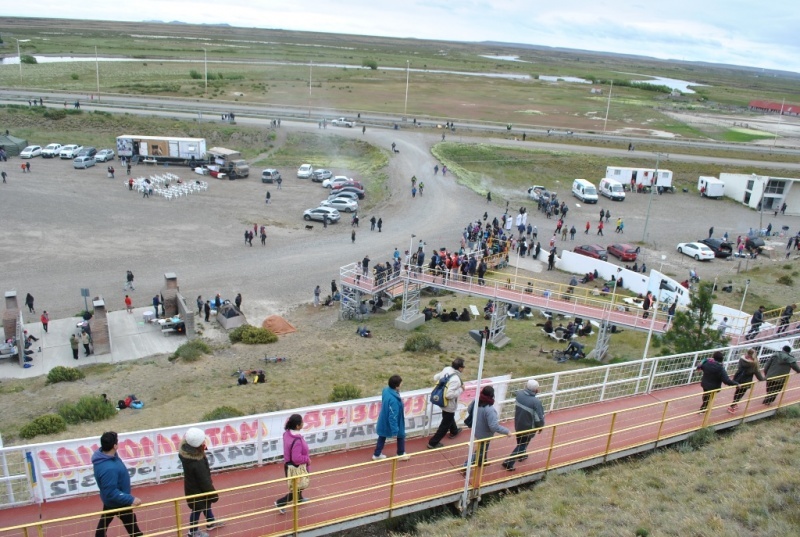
x,y
185,23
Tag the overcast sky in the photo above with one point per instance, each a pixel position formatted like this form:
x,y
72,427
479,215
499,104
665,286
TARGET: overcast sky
x,y
740,32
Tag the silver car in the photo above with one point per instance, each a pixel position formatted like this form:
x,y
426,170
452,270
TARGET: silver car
x,y
104,155
341,204
320,213
83,162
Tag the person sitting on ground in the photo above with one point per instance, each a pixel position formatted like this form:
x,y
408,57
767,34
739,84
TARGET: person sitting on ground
x,y
439,309
453,315
635,267
363,332
465,317
328,301
560,331
585,330
548,326
575,349
570,330
259,377
605,290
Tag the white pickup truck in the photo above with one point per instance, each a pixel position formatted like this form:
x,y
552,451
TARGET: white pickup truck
x,y
343,122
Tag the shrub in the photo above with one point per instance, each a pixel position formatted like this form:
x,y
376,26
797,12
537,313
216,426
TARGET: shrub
x,y
89,408
785,280
64,374
27,58
74,76
420,343
191,351
55,114
700,438
372,64
252,335
193,74
47,424
344,392
222,413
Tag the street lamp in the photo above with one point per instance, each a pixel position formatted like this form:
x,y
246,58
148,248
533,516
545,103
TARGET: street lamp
x,y
746,285
205,69
661,266
405,107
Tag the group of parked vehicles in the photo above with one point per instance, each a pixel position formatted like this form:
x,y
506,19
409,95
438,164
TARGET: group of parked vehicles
x,y
82,157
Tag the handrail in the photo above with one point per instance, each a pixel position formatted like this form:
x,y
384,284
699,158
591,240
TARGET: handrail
x,y
561,445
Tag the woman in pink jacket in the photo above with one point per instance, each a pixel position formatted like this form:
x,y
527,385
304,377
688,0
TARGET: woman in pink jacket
x,y
295,453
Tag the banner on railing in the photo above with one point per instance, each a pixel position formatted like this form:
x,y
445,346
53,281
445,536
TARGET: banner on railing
x,y
65,468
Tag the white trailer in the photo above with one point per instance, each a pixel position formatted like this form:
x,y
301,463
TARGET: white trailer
x,y
174,150
710,187
641,177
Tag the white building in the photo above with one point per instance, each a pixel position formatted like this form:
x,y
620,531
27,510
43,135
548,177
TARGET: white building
x,y
751,189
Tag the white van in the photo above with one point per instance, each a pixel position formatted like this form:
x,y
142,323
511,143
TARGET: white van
x,y
584,191
612,189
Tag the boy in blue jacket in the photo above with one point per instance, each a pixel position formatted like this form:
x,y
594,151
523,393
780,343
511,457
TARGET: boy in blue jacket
x,y
114,483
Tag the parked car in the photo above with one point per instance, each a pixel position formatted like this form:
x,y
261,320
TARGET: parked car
x,y
320,212
104,155
83,162
305,171
354,184
754,244
270,175
623,251
700,252
52,150
341,204
592,250
354,189
343,122
69,151
536,191
349,195
338,180
320,175
88,152
720,248
31,151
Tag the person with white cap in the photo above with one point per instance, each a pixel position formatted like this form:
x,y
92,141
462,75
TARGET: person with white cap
x,y
528,415
197,480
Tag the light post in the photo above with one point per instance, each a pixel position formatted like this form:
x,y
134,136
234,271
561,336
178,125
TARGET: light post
x,y
405,107
410,246
661,266
205,69
746,285
470,454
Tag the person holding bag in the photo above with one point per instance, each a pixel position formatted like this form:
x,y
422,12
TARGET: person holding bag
x,y
197,480
296,461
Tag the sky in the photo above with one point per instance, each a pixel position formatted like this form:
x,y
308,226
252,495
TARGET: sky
x,y
738,32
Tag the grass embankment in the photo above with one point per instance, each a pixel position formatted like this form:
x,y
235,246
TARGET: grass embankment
x,y
743,482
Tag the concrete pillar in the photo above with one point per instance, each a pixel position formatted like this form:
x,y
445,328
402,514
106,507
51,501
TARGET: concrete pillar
x,y
101,337
187,314
10,315
169,294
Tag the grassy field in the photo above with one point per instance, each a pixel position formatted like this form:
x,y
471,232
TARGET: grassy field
x,y
742,482
272,66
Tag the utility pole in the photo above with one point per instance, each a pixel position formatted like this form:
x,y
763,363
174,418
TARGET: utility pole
x,y
608,106
97,70
405,107
19,56
653,187
205,69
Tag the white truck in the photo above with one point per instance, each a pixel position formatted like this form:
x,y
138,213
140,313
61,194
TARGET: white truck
x,y
642,178
343,122
162,149
710,187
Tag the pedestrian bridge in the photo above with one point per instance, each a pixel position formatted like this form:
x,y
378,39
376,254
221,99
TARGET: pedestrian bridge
x,y
594,415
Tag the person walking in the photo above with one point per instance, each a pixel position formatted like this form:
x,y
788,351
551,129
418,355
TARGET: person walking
x,y
777,372
572,232
45,319
28,166
528,415
156,303
85,342
435,169
353,236
608,216
453,390
29,303
755,323
268,197
114,482
488,197
200,304
197,480
485,422
128,282
4,175
207,309
73,343
646,303
602,214
264,235
316,296
391,420
380,220
748,367
279,181
710,232
296,455
600,229
128,304
588,227
714,375
786,316
238,301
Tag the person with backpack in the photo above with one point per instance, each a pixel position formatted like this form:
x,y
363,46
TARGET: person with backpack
x,y
777,372
452,387
748,367
528,415
714,375
485,422
197,480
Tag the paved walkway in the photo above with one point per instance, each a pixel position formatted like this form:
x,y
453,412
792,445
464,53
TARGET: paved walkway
x,y
131,338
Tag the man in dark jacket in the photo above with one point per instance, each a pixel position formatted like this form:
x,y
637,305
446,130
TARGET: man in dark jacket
x,y
777,372
714,375
528,415
114,482
755,323
197,480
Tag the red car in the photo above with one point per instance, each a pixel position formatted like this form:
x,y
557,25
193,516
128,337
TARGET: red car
x,y
623,251
354,184
592,250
